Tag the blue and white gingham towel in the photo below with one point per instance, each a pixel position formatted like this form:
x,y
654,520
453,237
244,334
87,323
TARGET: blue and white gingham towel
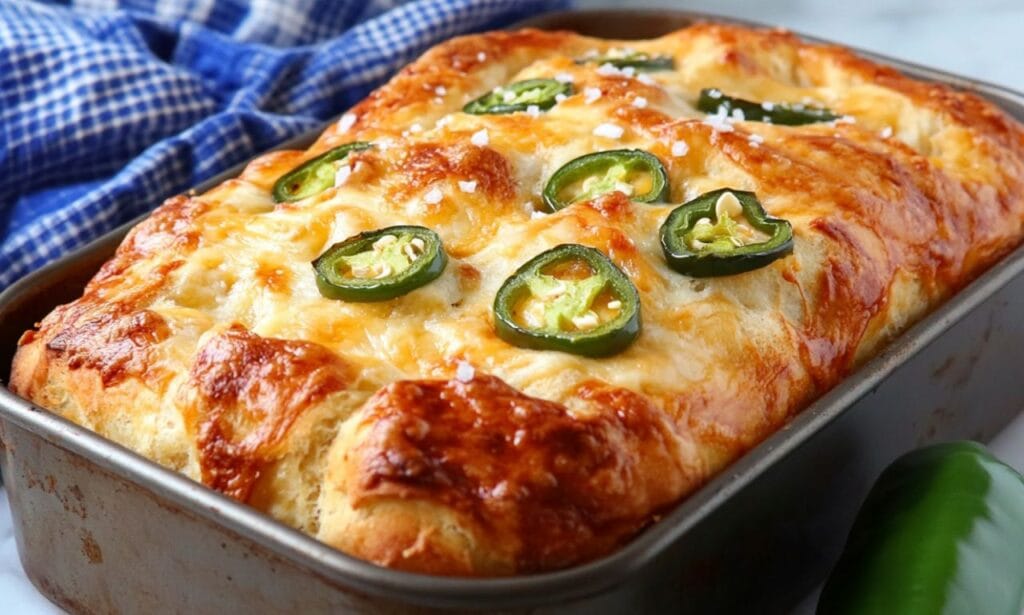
x,y
109,107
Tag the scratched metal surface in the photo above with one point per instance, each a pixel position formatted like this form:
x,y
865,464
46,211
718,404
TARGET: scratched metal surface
x,y
100,529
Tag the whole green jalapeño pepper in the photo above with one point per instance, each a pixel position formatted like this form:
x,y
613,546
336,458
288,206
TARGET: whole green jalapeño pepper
x,y
638,60
520,96
723,232
380,265
315,175
941,532
571,298
787,114
636,173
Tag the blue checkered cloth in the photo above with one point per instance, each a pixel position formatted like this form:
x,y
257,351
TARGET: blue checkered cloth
x,y
107,107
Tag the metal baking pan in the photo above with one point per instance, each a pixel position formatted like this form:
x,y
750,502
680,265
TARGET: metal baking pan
x,y
100,529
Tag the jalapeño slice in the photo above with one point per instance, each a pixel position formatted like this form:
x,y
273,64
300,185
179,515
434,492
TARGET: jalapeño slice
x,y
315,175
638,60
571,298
520,96
723,232
786,114
380,265
636,173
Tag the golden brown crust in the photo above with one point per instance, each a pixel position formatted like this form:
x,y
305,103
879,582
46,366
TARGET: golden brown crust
x,y
548,487
244,393
205,345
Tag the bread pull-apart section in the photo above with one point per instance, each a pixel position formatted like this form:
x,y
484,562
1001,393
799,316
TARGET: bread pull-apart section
x,y
474,477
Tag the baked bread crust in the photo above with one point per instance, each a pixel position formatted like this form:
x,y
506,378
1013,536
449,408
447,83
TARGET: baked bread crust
x,y
203,343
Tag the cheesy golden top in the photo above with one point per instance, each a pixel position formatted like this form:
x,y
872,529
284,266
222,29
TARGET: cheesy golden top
x,y
406,432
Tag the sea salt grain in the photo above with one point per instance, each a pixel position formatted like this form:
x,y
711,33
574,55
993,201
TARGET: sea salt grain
x,y
341,176
611,131
464,372
346,122
591,94
563,78
639,102
467,186
679,149
886,132
480,138
433,196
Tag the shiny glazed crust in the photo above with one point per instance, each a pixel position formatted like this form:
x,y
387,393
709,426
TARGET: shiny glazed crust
x,y
406,432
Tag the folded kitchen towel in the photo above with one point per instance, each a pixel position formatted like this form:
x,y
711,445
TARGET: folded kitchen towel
x,y
108,107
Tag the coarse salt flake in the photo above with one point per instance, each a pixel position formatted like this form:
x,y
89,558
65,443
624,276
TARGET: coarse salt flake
x,y
481,56
679,148
480,138
342,174
611,131
500,490
639,102
563,78
560,97
346,122
886,132
719,122
440,90
607,70
646,79
591,94
464,372
533,110
417,127
467,186
433,196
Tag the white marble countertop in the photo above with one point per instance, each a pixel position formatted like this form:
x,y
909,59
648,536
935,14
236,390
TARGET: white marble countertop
x,y
980,39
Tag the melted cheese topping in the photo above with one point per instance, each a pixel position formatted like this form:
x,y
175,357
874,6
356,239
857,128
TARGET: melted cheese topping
x,y
205,344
